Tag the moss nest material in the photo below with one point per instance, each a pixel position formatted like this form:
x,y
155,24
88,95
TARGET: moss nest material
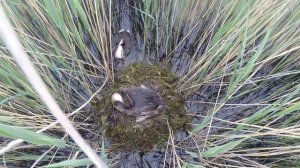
x,y
122,129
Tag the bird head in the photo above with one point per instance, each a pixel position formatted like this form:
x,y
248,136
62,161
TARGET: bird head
x,y
121,100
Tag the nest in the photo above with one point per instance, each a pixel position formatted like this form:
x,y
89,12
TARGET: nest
x,y
122,129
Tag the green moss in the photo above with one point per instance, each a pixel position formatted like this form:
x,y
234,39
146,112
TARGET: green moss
x,y
122,129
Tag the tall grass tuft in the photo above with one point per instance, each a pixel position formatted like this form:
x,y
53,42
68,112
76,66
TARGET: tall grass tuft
x,y
54,35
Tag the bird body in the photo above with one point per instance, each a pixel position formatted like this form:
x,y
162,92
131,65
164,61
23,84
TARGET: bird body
x,y
141,102
121,44
119,54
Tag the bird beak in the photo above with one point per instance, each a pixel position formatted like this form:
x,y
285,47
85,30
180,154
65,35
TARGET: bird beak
x,y
122,42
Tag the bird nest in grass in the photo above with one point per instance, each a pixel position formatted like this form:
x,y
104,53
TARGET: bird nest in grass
x,y
122,129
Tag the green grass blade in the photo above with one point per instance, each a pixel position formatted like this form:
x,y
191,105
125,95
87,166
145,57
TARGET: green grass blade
x,y
29,136
250,65
202,125
214,151
191,165
72,163
81,13
54,13
288,110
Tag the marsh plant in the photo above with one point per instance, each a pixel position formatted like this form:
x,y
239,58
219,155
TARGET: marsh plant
x,y
236,64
